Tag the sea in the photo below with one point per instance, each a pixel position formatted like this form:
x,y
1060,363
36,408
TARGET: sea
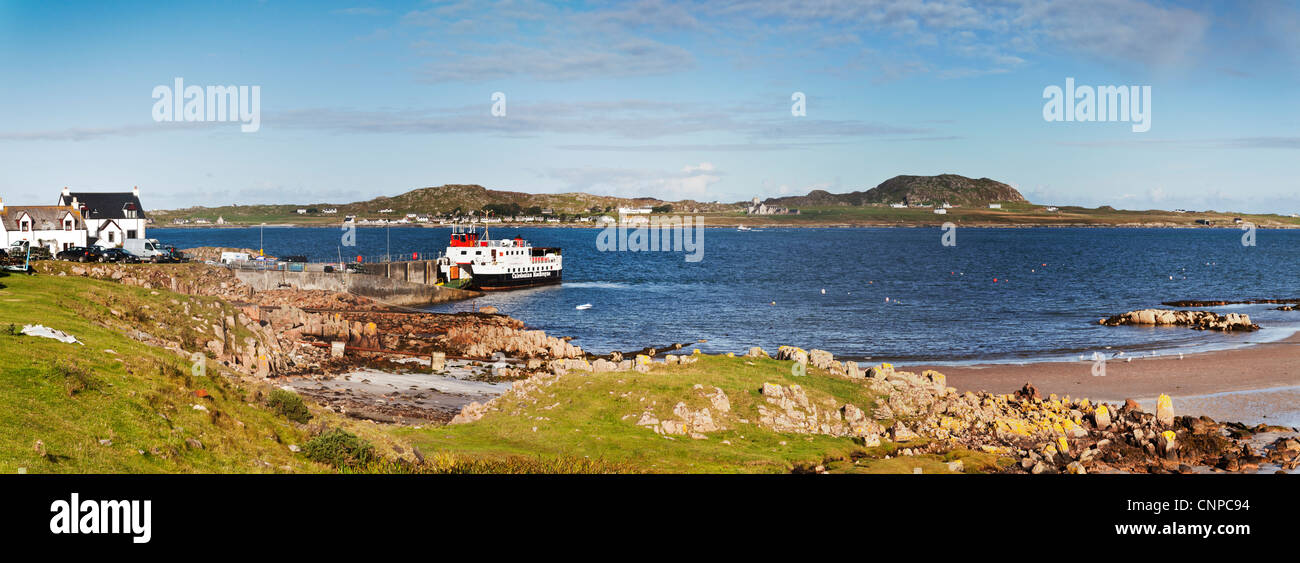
x,y
970,295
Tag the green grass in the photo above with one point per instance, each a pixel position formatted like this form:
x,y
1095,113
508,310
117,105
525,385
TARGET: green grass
x,y
586,416
69,397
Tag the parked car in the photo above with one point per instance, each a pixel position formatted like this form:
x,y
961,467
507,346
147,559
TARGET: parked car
x,y
81,254
119,255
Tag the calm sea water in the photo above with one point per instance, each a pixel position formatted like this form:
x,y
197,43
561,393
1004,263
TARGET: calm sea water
x,y
890,294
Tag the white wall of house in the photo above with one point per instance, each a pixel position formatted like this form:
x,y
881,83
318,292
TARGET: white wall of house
x,y
55,239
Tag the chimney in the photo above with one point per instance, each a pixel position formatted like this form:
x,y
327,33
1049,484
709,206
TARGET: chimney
x,y
74,205
65,191
2,205
135,190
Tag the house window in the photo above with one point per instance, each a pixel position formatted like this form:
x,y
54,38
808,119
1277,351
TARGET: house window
x,y
131,234
67,225
26,226
110,236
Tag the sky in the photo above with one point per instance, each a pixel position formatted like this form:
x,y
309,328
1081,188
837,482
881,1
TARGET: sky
x,y
675,100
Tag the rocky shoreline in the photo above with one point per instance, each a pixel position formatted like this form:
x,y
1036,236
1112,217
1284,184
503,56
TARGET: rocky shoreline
x,y
923,415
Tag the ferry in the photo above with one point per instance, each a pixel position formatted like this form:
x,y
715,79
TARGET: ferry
x,y
480,263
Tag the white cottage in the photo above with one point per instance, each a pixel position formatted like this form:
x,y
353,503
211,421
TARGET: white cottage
x,y
111,217
56,227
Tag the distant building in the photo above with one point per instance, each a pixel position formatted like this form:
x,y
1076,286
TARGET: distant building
x,y
111,217
330,210
1052,208
634,211
302,211
995,206
757,207
940,211
898,205
1205,222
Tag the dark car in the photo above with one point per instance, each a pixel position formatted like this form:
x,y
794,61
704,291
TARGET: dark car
x,y
119,255
81,254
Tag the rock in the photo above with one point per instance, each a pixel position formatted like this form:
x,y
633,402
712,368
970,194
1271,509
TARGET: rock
x,y
756,352
1130,406
671,359
1101,417
720,401
1041,468
106,442
438,361
193,443
854,371
1075,468
796,354
821,359
294,448
901,433
488,310
1028,392
881,371
1165,410
602,365
956,466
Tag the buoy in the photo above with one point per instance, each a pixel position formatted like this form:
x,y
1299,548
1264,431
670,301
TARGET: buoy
x,y
995,280
774,302
823,291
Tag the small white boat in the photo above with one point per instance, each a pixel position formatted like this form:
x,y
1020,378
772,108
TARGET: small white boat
x,y
743,228
583,307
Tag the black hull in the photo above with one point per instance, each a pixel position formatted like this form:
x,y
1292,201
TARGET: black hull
x,y
499,282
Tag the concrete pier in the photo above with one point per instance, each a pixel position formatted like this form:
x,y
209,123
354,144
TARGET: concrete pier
x,y
398,283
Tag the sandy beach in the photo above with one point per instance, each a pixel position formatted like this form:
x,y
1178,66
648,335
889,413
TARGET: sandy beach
x,y
1254,384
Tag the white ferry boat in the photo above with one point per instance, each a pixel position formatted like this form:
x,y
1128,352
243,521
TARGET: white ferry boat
x,y
488,265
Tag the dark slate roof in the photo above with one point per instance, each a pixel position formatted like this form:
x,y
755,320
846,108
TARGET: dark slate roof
x,y
44,217
104,205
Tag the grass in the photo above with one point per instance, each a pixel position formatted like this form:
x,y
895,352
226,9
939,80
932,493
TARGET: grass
x,y
116,405
587,417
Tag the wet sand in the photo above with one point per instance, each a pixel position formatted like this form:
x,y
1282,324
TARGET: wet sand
x,y
1254,384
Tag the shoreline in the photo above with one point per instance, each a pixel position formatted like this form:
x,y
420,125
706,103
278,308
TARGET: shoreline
x,y
1263,367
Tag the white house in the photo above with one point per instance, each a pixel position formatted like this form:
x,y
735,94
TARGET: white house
x,y
56,227
940,211
995,206
110,217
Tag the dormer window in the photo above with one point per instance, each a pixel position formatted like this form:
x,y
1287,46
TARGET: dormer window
x,y
129,211
67,224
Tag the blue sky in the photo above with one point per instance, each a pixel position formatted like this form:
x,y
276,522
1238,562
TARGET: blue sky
x,y
666,99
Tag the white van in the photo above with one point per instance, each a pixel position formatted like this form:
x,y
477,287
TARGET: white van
x,y
232,257
144,248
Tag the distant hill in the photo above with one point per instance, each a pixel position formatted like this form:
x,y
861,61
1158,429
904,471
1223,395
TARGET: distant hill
x,y
949,188
444,199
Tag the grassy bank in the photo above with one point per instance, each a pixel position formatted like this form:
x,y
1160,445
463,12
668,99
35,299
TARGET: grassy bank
x,y
116,405
594,417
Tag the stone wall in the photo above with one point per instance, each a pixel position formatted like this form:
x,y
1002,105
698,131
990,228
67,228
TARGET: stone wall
x,y
380,288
